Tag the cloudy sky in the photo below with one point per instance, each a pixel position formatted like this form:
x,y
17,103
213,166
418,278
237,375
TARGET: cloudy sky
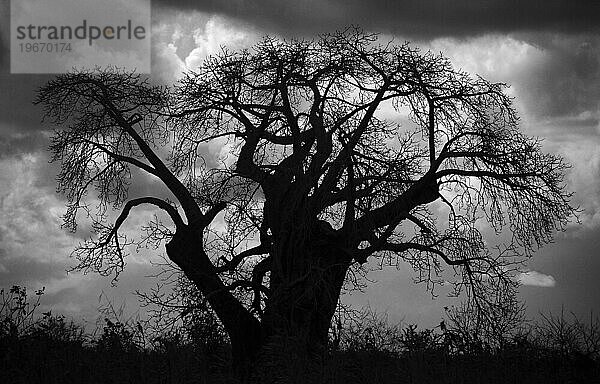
x,y
548,51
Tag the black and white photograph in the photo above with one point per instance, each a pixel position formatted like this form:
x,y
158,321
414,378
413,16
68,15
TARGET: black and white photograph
x,y
247,191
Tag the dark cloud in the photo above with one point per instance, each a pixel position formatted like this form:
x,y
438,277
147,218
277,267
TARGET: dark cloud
x,y
4,35
15,141
565,82
16,91
16,96
412,18
29,271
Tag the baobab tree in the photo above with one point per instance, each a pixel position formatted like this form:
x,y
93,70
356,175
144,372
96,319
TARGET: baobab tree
x,y
334,152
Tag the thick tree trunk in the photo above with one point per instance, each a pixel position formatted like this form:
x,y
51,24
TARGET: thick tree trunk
x,y
305,289
298,315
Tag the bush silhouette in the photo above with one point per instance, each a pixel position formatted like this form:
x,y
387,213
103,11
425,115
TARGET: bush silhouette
x,y
48,348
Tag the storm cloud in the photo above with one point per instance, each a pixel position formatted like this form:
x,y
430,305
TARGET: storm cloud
x,y
421,19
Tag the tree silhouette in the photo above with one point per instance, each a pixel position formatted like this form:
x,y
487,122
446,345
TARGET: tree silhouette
x,y
336,151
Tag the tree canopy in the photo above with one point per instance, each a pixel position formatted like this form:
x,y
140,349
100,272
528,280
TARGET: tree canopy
x,y
332,152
